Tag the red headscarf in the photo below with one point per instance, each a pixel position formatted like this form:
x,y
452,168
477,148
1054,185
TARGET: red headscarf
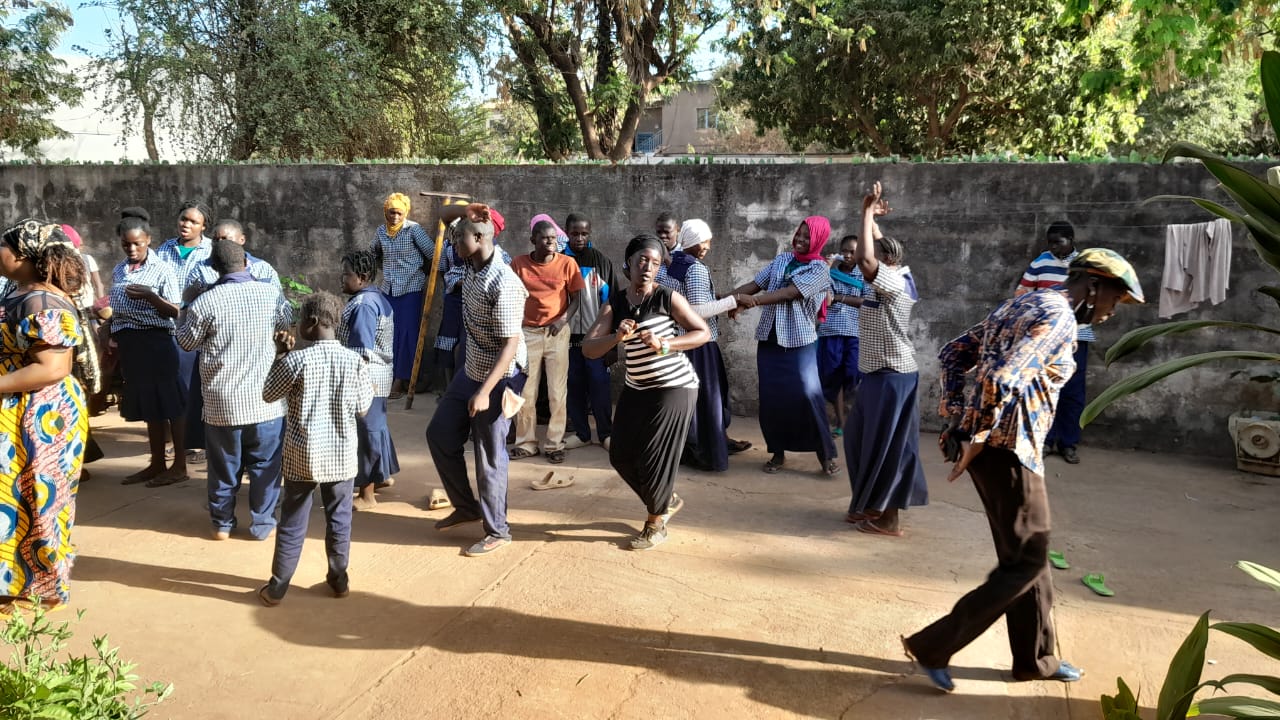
x,y
819,233
479,212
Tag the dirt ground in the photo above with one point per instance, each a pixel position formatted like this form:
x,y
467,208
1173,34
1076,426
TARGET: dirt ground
x,y
763,603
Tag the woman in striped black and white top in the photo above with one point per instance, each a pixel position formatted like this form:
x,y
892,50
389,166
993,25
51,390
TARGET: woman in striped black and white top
x,y
652,417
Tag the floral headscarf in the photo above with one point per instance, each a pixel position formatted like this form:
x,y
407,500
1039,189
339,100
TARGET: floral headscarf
x,y
30,237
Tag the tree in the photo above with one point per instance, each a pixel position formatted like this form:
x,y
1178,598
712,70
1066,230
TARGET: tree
x,y
419,49
33,80
609,57
1222,109
924,77
244,79
1175,40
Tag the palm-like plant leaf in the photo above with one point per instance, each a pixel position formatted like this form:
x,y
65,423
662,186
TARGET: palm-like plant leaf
x,y
1138,381
1183,678
1271,86
1238,707
1261,573
1269,683
1135,339
1261,637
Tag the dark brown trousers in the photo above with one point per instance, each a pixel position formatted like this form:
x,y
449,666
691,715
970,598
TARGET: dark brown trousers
x,y
1019,588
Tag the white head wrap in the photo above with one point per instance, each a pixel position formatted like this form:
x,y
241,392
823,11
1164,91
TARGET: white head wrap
x,y
693,232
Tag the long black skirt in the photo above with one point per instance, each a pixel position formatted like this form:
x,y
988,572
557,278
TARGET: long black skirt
x,y
649,430
707,445
153,388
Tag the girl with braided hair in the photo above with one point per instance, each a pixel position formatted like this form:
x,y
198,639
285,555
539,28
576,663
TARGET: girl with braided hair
x,y
43,420
367,329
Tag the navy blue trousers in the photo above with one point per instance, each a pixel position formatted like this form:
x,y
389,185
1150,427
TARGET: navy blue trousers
x,y
1065,430
589,391
189,369
447,437
295,513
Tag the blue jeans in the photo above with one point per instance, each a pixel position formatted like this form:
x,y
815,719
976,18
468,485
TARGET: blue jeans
x,y
1065,430
589,390
255,450
447,436
295,510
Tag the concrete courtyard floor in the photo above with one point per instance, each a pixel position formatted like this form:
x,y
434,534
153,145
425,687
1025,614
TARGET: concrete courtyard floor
x,y
763,603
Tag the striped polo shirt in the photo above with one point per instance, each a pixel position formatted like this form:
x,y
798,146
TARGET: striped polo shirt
x,y
1047,271
646,369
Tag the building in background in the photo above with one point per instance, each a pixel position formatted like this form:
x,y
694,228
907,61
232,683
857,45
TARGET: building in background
x,y
685,123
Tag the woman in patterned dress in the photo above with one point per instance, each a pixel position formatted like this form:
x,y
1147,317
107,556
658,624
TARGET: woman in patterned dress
x,y
43,421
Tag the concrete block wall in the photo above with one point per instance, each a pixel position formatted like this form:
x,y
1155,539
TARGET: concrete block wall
x,y
969,231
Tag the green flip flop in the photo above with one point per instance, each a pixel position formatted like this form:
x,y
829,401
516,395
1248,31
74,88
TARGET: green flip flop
x,y
1058,560
1097,583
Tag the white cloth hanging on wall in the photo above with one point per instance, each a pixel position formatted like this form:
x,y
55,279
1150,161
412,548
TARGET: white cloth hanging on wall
x,y
1197,266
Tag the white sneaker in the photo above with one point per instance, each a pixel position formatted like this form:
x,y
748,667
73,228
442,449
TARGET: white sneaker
x,y
605,443
573,442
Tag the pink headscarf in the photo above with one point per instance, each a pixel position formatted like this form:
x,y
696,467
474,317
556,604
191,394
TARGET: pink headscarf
x,y
72,235
562,238
819,233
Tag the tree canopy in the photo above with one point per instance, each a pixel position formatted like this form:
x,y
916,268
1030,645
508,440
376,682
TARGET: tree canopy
x,y
33,80
244,79
924,77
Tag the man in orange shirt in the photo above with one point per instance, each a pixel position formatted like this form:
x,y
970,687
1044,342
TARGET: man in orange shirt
x,y
554,283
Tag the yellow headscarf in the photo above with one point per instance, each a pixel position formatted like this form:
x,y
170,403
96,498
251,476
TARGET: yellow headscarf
x,y
400,202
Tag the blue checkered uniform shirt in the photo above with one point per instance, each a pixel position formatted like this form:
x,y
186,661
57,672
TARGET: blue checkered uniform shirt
x,y
794,322
130,314
406,258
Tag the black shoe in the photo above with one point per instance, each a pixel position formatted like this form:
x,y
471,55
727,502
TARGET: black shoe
x,y
341,588
456,518
1069,454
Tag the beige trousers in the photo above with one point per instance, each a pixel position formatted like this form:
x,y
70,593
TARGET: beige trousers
x,y
553,350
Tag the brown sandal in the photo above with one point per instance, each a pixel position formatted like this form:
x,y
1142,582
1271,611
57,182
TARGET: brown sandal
x,y
870,528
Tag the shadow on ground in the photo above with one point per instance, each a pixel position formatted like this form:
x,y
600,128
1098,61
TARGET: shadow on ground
x,y
766,672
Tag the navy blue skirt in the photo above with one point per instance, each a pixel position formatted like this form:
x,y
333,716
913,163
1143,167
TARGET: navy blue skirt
x,y
154,389
707,445
793,413
377,453
450,324
406,313
882,444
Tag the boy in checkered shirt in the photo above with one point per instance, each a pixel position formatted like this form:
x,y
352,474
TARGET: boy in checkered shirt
x,y
326,387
